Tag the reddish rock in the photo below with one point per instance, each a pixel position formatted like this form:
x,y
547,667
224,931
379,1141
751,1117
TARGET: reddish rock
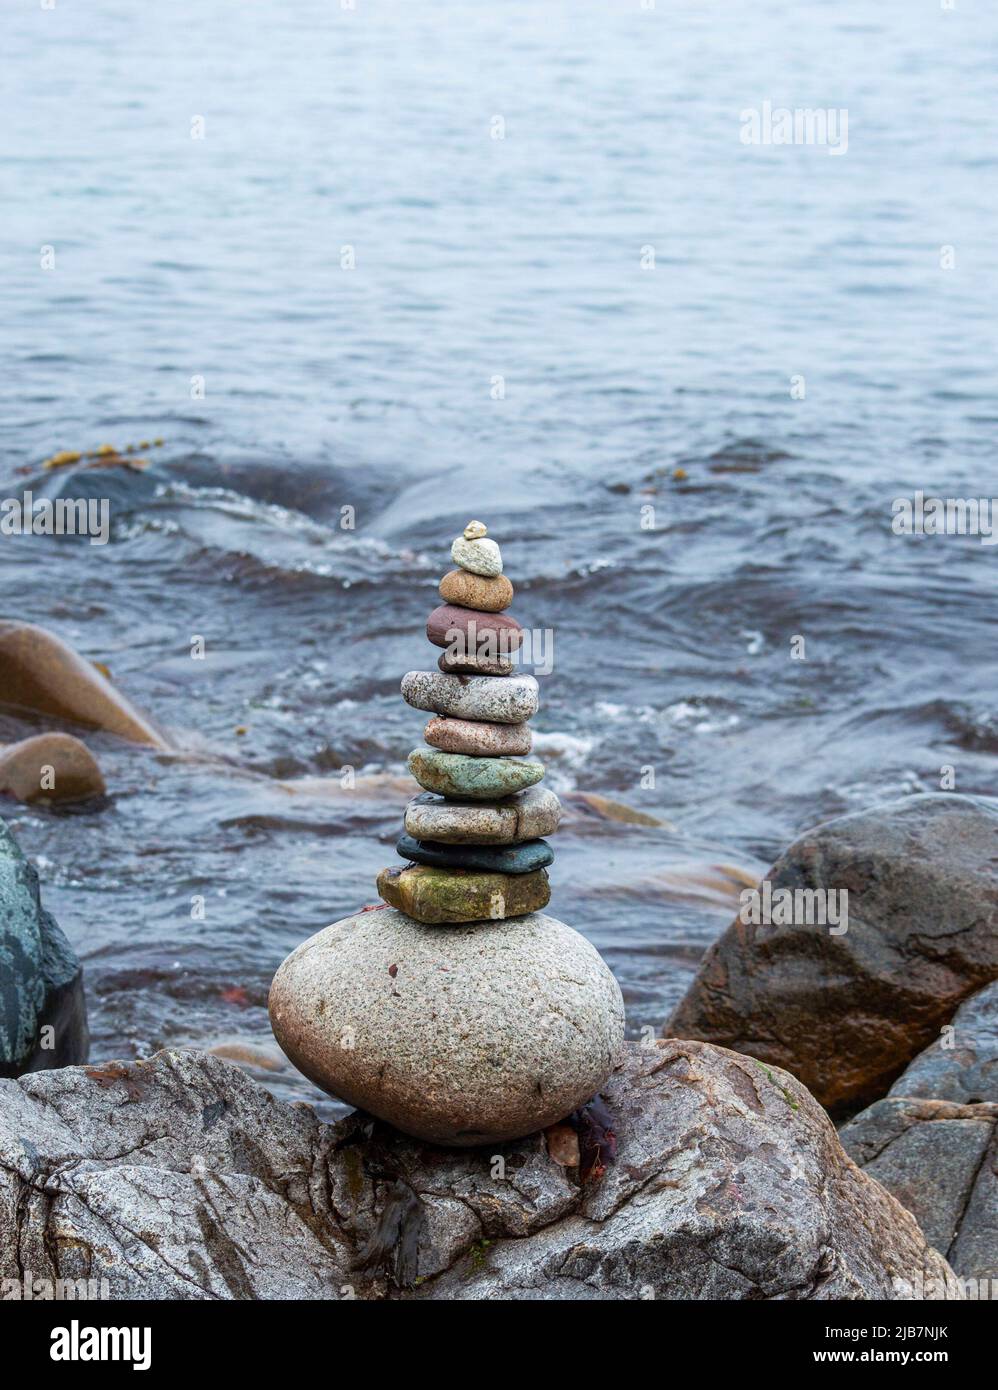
x,y
480,739
490,634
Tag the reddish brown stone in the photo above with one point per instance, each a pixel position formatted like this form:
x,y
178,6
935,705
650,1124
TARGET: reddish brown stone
x,y
490,634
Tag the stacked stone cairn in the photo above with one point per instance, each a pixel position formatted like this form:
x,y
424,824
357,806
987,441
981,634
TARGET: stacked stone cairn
x,y
473,838
461,1013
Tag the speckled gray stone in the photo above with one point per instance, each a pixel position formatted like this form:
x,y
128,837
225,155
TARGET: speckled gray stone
x,y
526,816
495,699
460,1035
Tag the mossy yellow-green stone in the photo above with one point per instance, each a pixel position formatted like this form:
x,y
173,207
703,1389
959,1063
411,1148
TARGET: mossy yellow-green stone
x,y
456,895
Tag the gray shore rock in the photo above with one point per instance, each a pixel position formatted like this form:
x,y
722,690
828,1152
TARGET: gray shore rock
x,y
43,1017
933,1142
180,1178
460,1034
846,1013
962,1063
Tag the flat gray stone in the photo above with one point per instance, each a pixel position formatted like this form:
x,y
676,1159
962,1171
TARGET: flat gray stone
x,y
493,699
527,816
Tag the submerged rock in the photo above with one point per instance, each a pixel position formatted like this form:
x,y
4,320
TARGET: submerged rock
x,y
181,1178
457,1034
43,1017
847,1012
52,768
41,673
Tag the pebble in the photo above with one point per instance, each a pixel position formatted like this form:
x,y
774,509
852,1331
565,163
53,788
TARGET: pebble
x,y
473,665
515,859
479,556
469,590
480,740
474,628
495,699
460,1035
474,530
481,779
440,896
526,816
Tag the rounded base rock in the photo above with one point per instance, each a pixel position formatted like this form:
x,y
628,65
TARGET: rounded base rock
x,y
460,1035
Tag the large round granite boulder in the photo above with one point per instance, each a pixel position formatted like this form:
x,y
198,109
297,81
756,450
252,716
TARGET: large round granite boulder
x,y
461,1035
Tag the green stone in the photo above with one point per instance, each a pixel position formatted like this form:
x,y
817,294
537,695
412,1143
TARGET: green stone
x,y
456,895
479,779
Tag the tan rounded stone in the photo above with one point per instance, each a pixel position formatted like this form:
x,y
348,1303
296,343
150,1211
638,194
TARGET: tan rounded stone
x,y
50,768
459,1035
468,590
41,673
475,530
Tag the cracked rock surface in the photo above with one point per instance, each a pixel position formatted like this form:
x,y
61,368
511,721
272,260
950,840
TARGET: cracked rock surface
x,y
846,1013
179,1177
933,1142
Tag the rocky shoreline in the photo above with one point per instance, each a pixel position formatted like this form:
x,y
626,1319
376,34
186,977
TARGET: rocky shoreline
x,y
724,1177
706,1165
180,1178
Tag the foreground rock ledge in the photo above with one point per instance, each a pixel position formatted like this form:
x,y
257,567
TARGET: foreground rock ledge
x,y
180,1178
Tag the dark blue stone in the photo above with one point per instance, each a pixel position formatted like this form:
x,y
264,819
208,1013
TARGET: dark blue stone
x,y
489,859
